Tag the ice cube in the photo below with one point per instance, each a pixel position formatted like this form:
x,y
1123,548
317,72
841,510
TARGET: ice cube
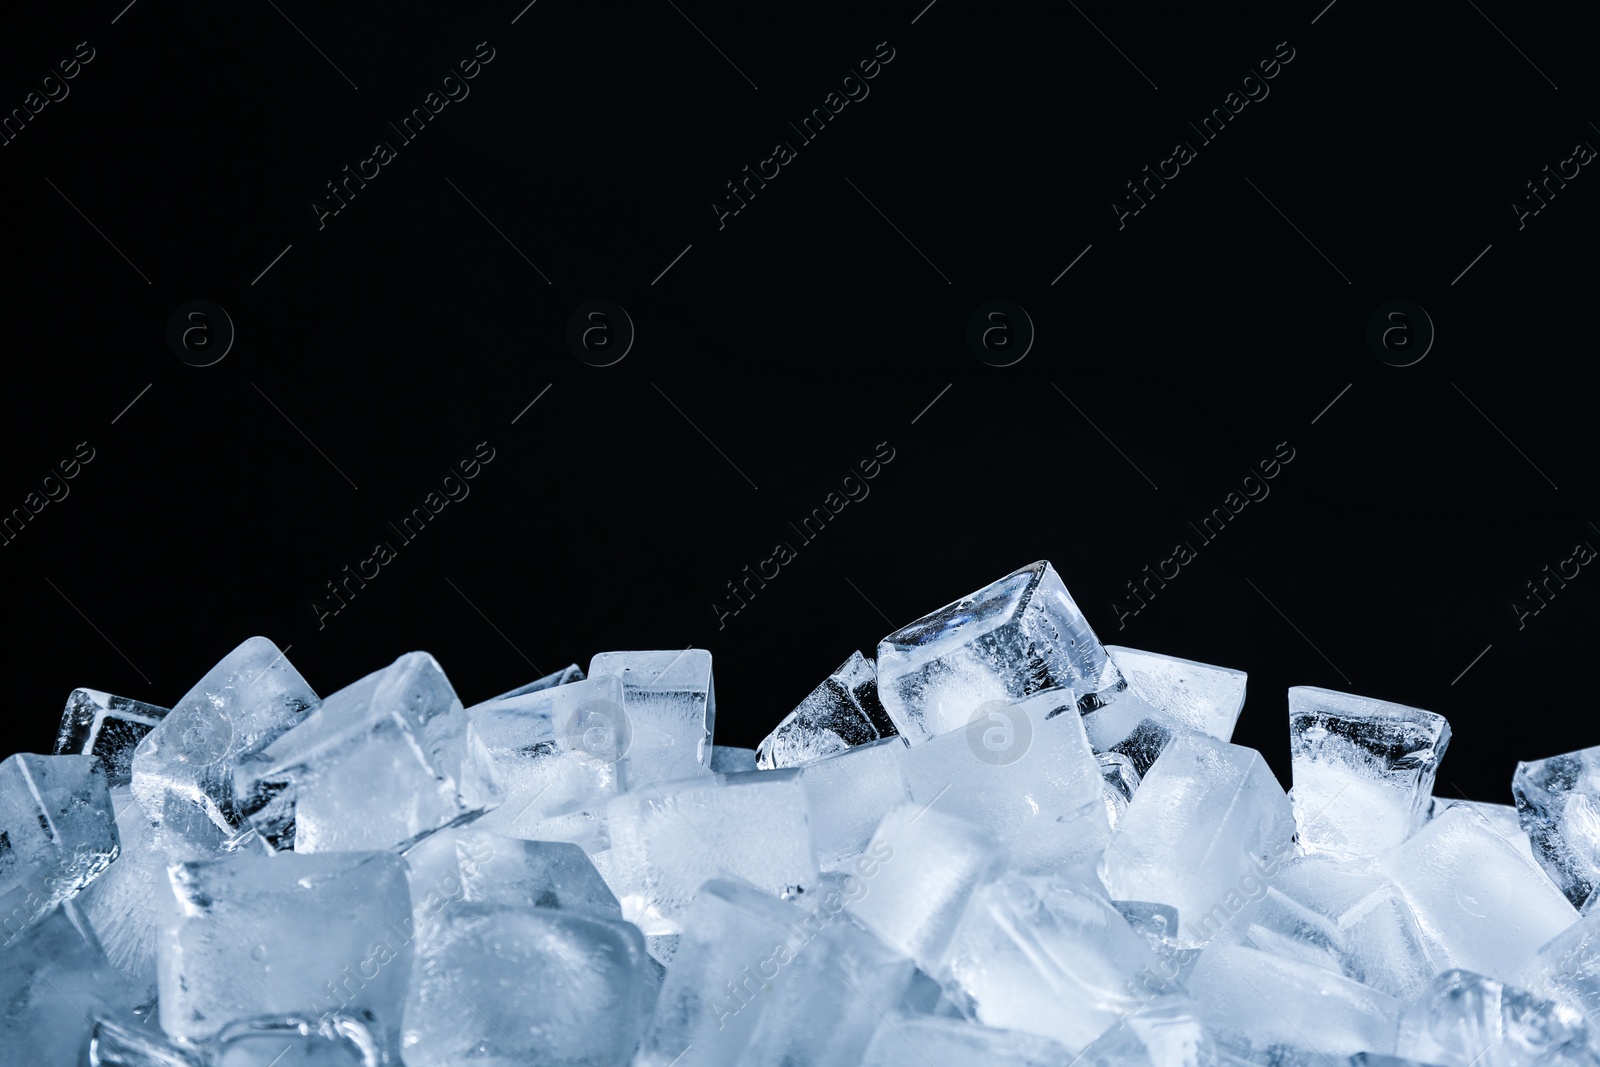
x,y
1010,639
727,759
566,675
735,939
841,712
926,1041
1259,1005
1206,821
1119,780
1463,1019
286,934
124,905
1480,904
382,761
506,984
1023,771
842,974
54,981
671,707
111,727
183,769
288,1041
920,872
1198,695
1038,954
1503,820
1290,930
1164,1032
1568,967
556,751
849,793
58,833
1363,770
544,874
1558,803
668,839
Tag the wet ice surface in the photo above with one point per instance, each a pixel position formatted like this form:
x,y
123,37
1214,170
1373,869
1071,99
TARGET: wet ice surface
x,y
996,841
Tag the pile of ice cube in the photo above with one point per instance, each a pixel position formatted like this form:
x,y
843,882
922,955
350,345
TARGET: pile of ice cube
x,y
1000,842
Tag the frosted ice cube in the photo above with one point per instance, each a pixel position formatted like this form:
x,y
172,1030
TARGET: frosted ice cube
x,y
668,839
111,727
1010,639
286,934
1290,930
1260,1005
556,751
506,984
841,975
935,1042
1568,967
671,707
58,833
545,874
735,938
921,870
1039,955
1023,771
1165,1032
1119,779
1463,1019
1480,904
113,1044
841,712
1503,820
1558,803
1198,695
183,769
1363,770
288,1041
849,793
728,759
53,981
382,761
570,673
1385,947
1206,821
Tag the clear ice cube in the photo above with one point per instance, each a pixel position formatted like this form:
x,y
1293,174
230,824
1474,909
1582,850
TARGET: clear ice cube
x,y
1010,639
841,712
1558,804
183,768
920,872
669,839
1206,821
544,874
1198,695
1040,955
1259,1005
1482,907
670,705
1288,929
1023,771
289,934
1363,770
499,985
382,761
1464,1019
111,727
735,941
58,833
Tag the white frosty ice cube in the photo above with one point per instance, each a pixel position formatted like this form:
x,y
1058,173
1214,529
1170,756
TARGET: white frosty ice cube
x,y
1205,822
671,707
1010,639
843,711
1481,905
669,839
1363,770
381,762
1199,695
849,793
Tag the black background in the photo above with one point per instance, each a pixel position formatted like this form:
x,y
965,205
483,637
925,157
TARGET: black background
x,y
781,349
